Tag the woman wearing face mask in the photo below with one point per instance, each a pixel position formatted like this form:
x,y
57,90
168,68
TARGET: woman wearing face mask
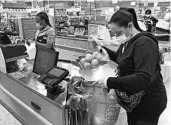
x,y
115,42
139,85
45,36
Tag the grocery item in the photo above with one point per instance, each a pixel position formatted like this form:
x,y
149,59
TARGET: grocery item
x,y
89,58
99,57
92,61
87,65
95,55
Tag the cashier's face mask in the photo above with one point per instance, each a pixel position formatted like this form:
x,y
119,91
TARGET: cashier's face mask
x,y
39,26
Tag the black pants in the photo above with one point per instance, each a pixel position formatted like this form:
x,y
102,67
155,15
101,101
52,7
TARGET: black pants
x,y
148,110
135,120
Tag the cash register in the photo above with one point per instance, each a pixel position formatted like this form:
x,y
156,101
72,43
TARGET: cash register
x,y
45,65
10,53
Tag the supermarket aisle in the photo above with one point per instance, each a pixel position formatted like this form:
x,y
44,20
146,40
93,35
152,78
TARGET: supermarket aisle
x,y
6,118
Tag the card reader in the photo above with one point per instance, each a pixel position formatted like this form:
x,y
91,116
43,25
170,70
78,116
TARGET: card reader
x,y
52,78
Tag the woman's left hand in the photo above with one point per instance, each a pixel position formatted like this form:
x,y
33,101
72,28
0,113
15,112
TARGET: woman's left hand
x,y
103,82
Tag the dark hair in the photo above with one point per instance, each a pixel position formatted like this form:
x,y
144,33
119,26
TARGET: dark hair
x,y
86,22
148,11
121,18
44,16
135,21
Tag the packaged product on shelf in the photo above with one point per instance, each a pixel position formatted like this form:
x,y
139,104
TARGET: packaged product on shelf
x,y
77,31
93,30
71,30
82,31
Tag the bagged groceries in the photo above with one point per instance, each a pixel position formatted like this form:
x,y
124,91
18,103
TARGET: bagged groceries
x,y
89,104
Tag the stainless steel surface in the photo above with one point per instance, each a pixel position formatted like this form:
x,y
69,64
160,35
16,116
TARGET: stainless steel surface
x,y
50,109
27,77
31,80
19,109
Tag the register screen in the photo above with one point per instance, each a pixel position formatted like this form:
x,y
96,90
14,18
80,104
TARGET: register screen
x,y
45,60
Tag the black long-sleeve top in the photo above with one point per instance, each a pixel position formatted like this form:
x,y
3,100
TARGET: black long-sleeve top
x,y
138,66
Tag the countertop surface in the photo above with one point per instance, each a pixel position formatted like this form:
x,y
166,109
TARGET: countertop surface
x,y
30,79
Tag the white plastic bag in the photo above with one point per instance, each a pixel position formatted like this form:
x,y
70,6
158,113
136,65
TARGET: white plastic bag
x,y
103,108
22,63
31,50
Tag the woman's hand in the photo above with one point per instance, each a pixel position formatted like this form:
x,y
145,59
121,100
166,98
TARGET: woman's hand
x,y
103,82
95,42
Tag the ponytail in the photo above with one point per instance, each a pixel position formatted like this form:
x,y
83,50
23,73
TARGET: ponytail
x,y
48,22
135,21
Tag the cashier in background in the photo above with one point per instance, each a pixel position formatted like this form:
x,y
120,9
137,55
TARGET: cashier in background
x,y
138,71
150,21
45,36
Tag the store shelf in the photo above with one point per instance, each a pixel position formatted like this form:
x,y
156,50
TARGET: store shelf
x,y
83,26
71,37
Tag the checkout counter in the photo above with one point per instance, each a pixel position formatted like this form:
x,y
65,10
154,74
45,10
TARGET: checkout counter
x,y
27,98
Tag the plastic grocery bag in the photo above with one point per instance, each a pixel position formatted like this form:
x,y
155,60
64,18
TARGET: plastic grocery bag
x,y
103,108
31,50
22,63
92,105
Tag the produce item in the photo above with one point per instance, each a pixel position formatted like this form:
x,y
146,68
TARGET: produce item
x,y
83,61
95,55
99,57
91,61
95,63
87,65
89,58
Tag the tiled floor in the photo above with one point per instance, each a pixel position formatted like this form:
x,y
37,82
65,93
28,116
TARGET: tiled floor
x,y
6,118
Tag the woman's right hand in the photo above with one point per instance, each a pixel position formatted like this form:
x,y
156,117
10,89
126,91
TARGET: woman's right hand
x,y
95,42
105,55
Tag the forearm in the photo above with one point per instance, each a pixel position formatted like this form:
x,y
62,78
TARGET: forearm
x,y
131,83
112,54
